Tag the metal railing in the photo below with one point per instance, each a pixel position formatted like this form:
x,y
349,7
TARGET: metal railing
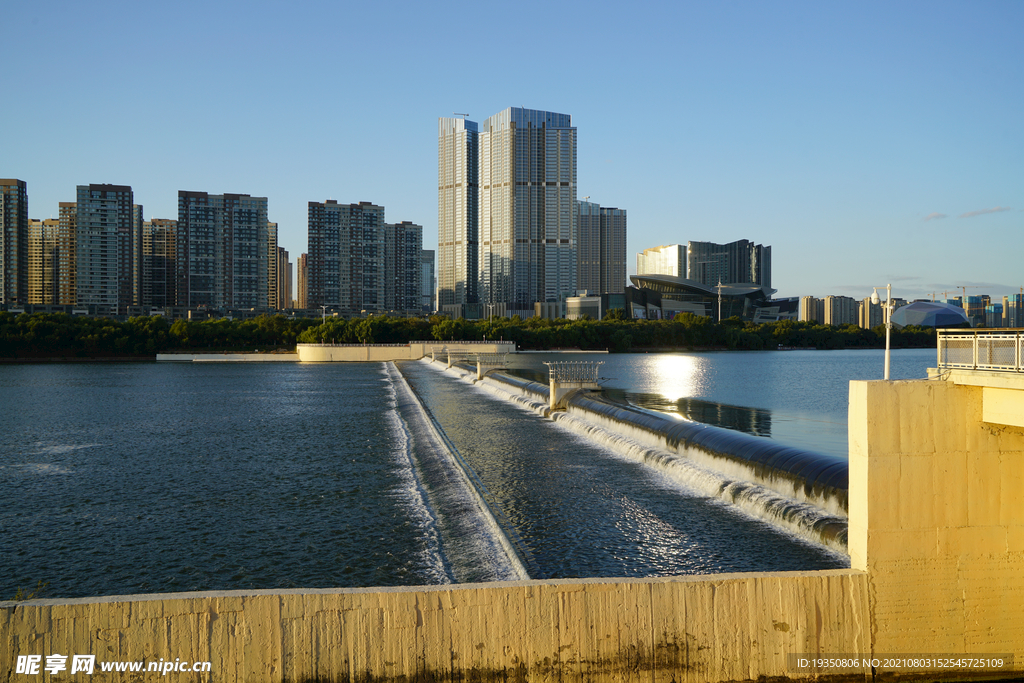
x,y
995,350
332,344
492,358
574,371
436,342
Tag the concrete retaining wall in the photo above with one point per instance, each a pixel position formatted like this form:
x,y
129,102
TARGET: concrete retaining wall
x,y
710,628
227,357
937,518
326,353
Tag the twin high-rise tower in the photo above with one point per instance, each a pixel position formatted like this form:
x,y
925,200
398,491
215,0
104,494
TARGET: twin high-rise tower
x,y
507,211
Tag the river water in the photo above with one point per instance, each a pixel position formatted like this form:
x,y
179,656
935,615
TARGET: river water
x,y
143,478
797,397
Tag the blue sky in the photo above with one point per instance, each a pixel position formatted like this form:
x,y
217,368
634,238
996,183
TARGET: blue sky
x,y
866,142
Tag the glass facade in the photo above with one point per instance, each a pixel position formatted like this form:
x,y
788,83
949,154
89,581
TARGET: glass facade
x,y
457,211
507,213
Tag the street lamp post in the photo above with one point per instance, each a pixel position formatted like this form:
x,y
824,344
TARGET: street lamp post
x,y
887,318
719,299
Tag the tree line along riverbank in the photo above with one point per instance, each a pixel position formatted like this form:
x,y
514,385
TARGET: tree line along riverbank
x,y
47,336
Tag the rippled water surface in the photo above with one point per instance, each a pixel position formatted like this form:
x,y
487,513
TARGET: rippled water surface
x,y
171,477
797,397
141,478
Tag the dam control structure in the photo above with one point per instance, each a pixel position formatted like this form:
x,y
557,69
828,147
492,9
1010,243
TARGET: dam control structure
x,y
934,591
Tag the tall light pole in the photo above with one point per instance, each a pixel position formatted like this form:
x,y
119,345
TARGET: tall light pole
x,y
719,299
887,317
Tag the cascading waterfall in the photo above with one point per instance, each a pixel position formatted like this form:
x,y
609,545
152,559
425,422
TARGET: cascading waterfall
x,y
800,491
464,534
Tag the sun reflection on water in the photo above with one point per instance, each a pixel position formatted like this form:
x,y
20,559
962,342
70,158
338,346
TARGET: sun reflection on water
x,y
678,376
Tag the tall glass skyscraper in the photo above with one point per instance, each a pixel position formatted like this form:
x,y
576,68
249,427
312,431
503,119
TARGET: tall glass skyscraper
x,y
457,215
515,197
664,260
741,261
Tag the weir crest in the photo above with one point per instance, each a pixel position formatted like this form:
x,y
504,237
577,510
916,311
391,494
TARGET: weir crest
x,y
799,491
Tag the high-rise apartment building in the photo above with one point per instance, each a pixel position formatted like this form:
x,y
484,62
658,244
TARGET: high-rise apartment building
x,y
994,316
284,279
1013,310
870,315
507,213
403,246
43,261
528,221
346,256
224,249
601,235
741,261
428,283
665,260
159,251
301,278
457,211
974,307
106,224
67,250
13,240
812,309
273,276
840,310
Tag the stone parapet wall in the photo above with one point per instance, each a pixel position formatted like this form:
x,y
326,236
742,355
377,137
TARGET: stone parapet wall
x,y
326,353
227,357
695,629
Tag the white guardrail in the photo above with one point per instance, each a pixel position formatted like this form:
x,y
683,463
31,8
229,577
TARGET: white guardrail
x,y
997,350
574,371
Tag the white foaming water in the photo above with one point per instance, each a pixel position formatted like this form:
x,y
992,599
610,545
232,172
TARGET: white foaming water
x,y
61,449
731,482
731,468
506,392
43,468
477,547
795,517
412,491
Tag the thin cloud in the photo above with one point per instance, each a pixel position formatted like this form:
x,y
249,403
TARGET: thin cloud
x,y
935,217
982,212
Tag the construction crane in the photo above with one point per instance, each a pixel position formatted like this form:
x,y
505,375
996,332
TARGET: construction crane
x,y
966,287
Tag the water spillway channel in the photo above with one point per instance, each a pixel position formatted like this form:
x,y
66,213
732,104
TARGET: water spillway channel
x,y
583,509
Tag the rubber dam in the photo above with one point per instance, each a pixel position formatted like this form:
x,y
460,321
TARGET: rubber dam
x,y
798,493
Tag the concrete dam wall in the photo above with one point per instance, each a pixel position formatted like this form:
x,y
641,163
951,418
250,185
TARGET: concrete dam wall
x,y
727,627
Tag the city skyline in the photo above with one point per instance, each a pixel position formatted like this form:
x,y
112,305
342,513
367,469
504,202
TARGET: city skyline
x,y
866,143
